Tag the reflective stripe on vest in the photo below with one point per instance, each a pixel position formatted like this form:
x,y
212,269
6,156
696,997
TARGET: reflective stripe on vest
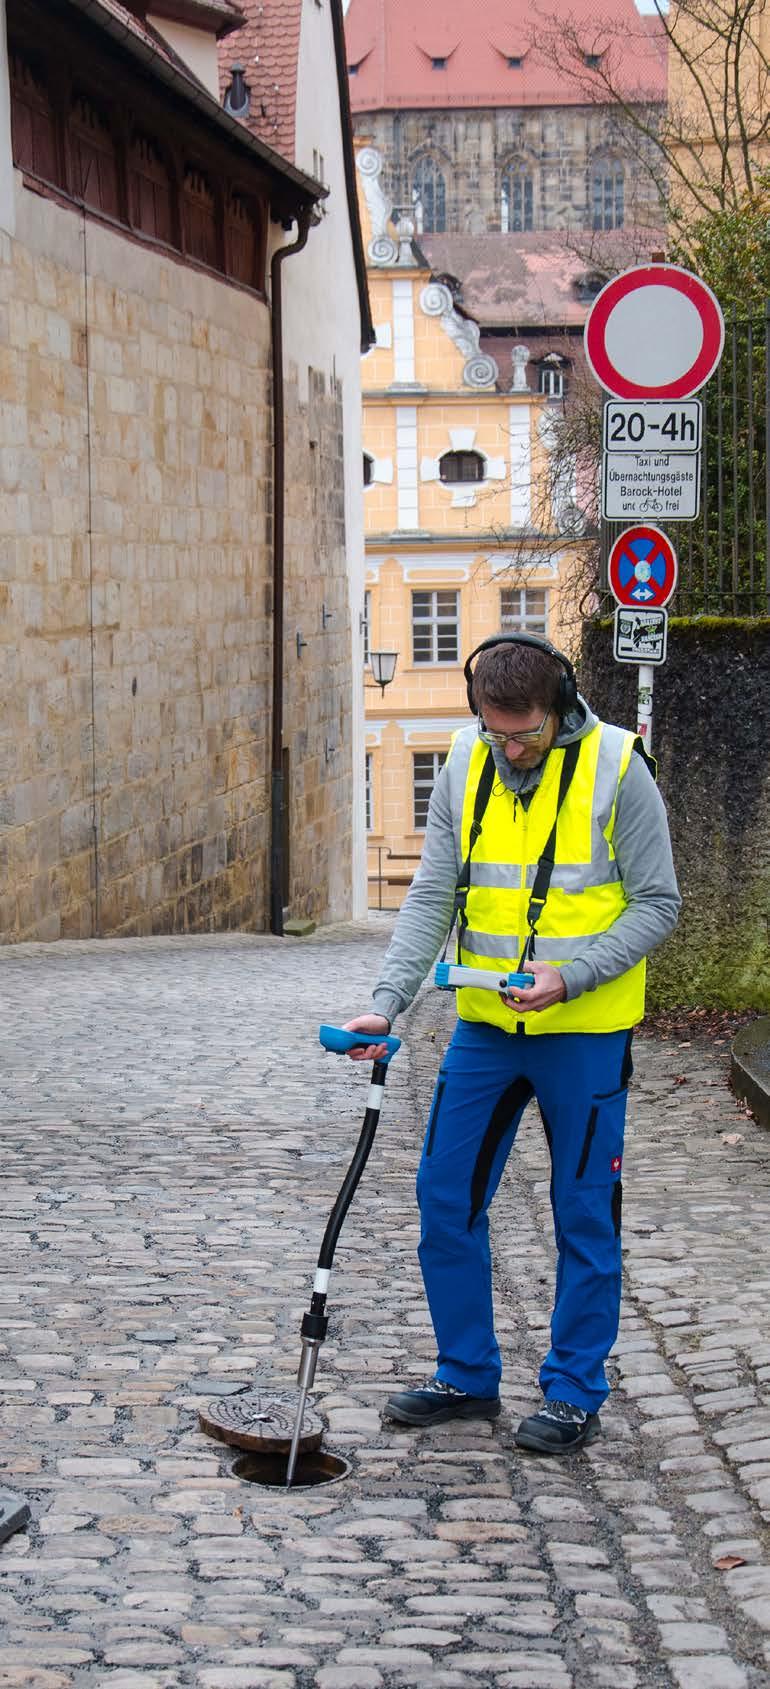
x,y
585,896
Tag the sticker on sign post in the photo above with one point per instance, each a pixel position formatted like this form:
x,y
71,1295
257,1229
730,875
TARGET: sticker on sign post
x,y
654,332
642,568
640,635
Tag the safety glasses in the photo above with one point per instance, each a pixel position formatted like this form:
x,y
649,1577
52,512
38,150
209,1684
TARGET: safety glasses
x,y
528,737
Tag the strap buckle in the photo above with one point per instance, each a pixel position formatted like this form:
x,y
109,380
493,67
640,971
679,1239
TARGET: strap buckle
x,y
535,910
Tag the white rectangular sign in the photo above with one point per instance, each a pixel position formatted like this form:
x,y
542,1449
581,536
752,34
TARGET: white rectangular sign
x,y
640,635
657,485
652,425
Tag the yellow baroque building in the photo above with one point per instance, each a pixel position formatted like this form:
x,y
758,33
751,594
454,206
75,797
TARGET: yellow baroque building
x,y
459,524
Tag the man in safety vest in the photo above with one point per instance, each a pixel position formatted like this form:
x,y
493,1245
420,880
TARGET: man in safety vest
x,y
548,842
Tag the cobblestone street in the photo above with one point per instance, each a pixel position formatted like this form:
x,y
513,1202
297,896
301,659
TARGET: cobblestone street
x,y
172,1140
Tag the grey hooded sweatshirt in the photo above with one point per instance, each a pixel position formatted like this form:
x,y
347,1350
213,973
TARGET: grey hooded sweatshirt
x,y
642,848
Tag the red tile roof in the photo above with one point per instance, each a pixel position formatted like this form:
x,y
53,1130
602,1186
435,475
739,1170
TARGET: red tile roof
x,y
533,280
267,46
394,44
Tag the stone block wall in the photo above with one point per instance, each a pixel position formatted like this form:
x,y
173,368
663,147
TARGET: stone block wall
x,y
135,589
709,735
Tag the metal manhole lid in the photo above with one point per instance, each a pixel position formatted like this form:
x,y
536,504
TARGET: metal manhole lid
x,y
262,1420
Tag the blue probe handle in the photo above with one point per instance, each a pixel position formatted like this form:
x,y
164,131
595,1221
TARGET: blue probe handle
x,y
337,1039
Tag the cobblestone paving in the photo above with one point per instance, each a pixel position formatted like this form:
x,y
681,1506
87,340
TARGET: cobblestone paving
x,y
172,1139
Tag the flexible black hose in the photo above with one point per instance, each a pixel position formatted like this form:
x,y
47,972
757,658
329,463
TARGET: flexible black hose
x,y
353,1175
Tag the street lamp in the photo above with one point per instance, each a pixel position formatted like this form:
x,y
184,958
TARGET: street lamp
x,y
383,667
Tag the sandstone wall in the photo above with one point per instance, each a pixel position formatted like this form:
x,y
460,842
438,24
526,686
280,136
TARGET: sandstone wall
x,y
135,429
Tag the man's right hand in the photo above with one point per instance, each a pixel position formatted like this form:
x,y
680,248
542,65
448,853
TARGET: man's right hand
x,y
373,1024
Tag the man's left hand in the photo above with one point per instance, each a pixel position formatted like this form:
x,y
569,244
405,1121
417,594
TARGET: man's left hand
x,y
549,988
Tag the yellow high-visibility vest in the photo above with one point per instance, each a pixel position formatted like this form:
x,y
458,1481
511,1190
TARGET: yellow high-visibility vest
x,y
585,896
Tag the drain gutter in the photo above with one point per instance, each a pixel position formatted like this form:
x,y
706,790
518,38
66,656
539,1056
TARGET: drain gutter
x,y
279,573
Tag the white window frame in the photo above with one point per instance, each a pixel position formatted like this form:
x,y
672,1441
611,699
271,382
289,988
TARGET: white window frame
x,y
552,381
423,786
369,793
525,619
435,622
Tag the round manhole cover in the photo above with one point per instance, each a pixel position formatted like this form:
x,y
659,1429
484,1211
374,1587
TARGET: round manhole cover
x,y
263,1421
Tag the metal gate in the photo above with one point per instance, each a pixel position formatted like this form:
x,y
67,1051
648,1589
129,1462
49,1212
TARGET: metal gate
x,y
724,567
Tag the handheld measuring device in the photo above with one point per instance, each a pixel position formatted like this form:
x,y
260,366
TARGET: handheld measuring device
x,y
450,975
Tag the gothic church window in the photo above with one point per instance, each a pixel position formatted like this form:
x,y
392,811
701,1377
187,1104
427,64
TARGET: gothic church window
x,y
517,199
429,197
607,194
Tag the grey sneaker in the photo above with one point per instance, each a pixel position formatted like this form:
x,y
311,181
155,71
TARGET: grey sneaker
x,y
436,1402
558,1428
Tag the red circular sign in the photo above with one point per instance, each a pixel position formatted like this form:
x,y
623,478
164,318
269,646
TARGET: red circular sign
x,y
642,569
655,332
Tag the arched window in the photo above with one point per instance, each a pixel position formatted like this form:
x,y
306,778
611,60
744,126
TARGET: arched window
x,y
199,223
368,469
517,198
428,197
92,150
32,121
607,194
149,190
461,466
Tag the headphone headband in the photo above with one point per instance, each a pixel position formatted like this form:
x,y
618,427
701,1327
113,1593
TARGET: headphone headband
x,y
567,683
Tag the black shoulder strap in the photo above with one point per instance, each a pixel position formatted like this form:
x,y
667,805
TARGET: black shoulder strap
x,y
646,758
483,790
545,866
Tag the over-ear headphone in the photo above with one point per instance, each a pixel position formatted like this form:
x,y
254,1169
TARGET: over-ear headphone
x,y
568,693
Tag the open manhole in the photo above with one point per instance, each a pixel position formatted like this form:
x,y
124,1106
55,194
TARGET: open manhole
x,y
262,1420
311,1469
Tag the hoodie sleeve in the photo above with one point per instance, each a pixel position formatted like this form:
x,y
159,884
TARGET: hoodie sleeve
x,y
424,917
643,850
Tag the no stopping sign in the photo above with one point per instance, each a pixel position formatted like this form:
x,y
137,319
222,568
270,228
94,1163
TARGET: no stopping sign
x,y
642,568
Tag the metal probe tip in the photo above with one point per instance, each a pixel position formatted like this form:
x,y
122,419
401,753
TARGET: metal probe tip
x,y
295,1439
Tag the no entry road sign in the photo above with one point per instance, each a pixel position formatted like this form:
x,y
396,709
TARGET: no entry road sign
x,y
642,568
654,332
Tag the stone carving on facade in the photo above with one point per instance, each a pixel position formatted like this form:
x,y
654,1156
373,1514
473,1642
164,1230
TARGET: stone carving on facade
x,y
382,248
520,359
480,370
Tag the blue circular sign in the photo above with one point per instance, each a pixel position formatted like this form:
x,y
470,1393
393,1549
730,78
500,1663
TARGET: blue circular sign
x,y
642,569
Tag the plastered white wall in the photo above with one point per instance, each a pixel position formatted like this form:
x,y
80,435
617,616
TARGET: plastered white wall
x,y
196,47
328,339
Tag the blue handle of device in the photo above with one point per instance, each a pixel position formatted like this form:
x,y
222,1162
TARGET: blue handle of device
x,y
337,1039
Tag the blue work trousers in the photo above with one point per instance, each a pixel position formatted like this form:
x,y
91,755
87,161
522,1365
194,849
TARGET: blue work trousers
x,y
486,1079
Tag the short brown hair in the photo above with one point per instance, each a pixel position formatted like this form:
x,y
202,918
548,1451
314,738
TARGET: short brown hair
x,y
516,677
